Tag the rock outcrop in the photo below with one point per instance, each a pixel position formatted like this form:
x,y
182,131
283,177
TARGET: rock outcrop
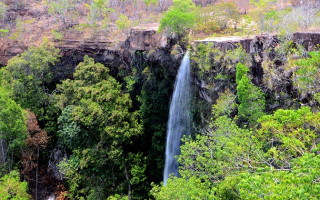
x,y
227,43
308,40
104,49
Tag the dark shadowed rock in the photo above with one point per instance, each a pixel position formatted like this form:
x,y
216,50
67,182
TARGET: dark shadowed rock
x,y
56,156
308,40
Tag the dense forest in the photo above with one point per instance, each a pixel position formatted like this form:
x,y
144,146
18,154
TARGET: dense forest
x,y
79,126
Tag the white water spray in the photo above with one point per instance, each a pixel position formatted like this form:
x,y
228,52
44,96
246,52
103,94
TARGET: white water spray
x,y
179,118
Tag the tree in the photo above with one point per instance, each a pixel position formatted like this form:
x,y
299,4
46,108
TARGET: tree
x,y
3,10
151,3
224,105
13,129
97,121
222,150
306,76
179,18
262,8
37,140
302,182
99,11
64,9
12,188
250,97
123,22
219,15
288,134
28,77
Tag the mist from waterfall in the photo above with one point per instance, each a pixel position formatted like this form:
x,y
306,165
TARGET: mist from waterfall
x,y
179,118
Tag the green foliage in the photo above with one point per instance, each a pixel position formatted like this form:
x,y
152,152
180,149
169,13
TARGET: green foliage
x,y
263,10
68,129
12,188
241,72
180,188
233,57
250,97
207,59
3,32
306,77
288,134
118,197
278,160
227,189
300,183
99,12
97,124
215,69
151,2
155,95
217,17
13,128
28,76
56,35
123,22
64,9
225,104
3,10
23,27
179,18
224,149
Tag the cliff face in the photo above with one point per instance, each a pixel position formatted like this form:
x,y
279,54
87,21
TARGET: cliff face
x,y
272,67
29,22
308,40
141,38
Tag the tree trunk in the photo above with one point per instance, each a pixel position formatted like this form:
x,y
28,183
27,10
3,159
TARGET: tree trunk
x,y
37,173
128,180
2,151
113,177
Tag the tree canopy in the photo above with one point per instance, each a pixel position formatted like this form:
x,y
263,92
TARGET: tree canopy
x,y
96,125
179,18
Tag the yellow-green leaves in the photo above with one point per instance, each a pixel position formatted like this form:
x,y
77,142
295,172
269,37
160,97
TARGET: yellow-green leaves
x,y
96,125
28,75
180,188
179,18
251,99
12,188
289,134
123,22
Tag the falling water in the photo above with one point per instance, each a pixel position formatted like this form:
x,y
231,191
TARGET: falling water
x,y
179,118
51,197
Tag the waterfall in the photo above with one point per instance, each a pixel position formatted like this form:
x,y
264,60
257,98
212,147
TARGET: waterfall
x,y
179,118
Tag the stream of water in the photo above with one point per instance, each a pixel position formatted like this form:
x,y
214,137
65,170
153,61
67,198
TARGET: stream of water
x,y
179,118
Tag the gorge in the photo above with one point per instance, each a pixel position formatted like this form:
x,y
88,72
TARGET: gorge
x,y
186,100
